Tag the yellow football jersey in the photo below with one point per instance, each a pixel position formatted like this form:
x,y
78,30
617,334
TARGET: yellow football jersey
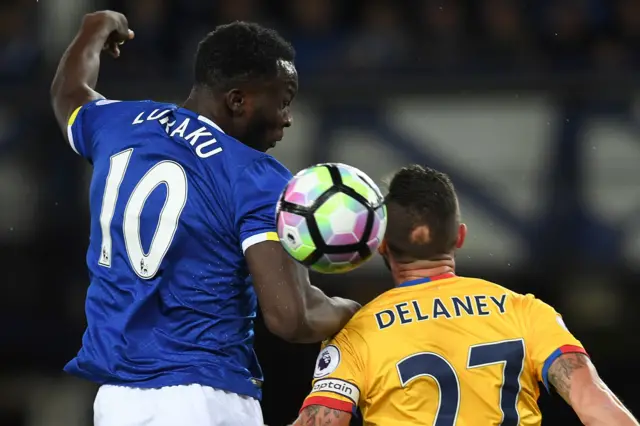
x,y
443,351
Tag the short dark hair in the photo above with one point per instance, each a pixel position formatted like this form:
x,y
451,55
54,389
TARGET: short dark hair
x,y
239,50
421,196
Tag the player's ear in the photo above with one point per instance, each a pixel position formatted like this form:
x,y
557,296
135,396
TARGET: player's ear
x,y
235,99
382,248
462,234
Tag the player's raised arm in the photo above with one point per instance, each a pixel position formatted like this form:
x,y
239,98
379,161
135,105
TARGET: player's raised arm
x,y
75,80
292,308
577,381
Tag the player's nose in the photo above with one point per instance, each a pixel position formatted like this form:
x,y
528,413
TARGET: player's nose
x,y
287,119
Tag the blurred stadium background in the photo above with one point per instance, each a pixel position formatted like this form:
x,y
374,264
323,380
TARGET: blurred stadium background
x,y
531,107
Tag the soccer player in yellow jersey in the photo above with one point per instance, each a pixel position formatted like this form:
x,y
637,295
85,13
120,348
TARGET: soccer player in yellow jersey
x,y
444,350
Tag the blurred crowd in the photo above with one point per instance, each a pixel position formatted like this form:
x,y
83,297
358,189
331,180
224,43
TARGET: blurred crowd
x,y
425,36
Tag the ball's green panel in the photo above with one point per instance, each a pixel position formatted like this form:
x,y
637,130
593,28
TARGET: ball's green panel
x,y
300,253
341,219
351,179
308,185
295,236
326,266
339,201
323,176
337,219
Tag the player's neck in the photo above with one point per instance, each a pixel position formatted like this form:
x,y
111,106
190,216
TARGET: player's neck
x,y
423,269
203,106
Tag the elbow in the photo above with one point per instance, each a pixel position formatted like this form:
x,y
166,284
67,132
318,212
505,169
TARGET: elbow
x,y
289,327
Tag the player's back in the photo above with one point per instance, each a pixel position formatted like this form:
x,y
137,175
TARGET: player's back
x,y
450,351
174,201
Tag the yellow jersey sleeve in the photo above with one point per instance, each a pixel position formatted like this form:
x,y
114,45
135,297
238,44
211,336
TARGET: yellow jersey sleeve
x,y
547,337
338,378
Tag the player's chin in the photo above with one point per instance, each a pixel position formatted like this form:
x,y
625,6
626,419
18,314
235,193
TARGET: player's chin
x,y
275,137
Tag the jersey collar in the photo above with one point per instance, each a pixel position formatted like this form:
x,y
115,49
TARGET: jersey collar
x,y
427,279
201,118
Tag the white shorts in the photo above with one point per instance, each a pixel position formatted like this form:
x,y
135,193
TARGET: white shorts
x,y
192,405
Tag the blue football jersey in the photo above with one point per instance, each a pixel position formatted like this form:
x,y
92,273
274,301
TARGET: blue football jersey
x,y
174,204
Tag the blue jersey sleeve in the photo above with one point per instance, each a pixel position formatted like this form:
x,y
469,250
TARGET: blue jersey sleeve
x,y
257,191
87,121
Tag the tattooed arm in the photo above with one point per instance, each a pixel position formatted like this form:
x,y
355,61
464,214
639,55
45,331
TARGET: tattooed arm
x,y
577,381
317,415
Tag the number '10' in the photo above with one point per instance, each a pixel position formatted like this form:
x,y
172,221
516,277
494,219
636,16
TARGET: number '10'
x,y
167,173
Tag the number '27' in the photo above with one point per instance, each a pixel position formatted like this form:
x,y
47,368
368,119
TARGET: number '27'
x,y
509,353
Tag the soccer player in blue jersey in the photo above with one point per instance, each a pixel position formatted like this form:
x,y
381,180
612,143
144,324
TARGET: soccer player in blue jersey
x,y
183,243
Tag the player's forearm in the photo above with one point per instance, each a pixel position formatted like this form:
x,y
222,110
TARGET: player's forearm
x,y
325,316
596,405
320,415
316,318
578,383
80,64
77,73
292,308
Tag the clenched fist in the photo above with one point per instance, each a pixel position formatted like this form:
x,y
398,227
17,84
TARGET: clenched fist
x,y
113,26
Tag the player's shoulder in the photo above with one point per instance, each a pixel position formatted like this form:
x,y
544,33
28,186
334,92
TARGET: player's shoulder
x,y
459,286
482,285
479,285
272,165
521,302
246,157
113,111
361,322
248,164
136,105
241,158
